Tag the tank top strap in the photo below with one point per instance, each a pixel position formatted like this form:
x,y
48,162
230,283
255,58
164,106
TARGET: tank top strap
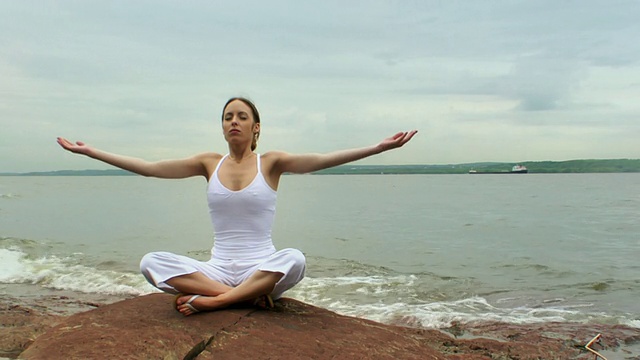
x,y
215,172
258,164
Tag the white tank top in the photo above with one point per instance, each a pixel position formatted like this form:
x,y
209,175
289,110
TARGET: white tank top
x,y
242,220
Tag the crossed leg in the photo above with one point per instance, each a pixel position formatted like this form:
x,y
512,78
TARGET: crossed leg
x,y
198,283
286,266
216,295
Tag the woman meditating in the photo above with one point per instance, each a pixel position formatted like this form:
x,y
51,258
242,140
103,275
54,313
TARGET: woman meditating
x,y
242,189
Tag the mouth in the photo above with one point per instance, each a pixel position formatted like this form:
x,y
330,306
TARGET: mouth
x,y
233,131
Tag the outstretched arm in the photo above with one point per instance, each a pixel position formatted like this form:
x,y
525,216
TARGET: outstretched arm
x,y
305,163
168,169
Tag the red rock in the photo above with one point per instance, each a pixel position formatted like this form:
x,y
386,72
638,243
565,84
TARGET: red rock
x,y
149,328
20,326
25,316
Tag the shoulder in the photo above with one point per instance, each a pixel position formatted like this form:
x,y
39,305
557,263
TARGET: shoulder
x,y
208,156
272,166
274,158
205,159
274,155
208,161
272,162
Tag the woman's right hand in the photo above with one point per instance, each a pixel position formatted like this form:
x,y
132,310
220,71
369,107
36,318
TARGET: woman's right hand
x,y
78,147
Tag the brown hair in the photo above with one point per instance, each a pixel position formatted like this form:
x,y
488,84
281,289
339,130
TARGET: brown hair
x,y
256,116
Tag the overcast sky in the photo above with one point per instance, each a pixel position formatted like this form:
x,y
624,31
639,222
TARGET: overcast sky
x,y
481,80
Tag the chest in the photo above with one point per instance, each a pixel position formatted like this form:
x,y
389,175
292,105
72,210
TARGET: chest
x,y
237,176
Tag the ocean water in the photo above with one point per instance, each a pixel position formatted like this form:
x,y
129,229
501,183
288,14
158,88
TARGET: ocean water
x,y
416,250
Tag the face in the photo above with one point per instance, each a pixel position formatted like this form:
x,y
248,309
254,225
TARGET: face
x,y
238,123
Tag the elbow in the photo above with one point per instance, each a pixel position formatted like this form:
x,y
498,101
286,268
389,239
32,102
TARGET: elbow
x,y
145,171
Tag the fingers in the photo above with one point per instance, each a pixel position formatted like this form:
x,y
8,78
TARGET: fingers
x,y
77,147
64,142
402,138
408,136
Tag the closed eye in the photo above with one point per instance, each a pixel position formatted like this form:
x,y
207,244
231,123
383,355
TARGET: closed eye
x,y
241,115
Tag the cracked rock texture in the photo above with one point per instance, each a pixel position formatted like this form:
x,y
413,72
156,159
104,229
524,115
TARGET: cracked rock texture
x,y
148,327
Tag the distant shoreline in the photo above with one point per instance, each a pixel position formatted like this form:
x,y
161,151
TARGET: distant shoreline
x,y
535,167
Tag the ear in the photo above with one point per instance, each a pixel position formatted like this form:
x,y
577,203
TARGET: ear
x,y
256,127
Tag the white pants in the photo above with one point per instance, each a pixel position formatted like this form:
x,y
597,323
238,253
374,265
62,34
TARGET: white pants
x,y
158,267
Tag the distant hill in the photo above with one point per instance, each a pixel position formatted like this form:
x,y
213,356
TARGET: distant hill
x,y
540,167
109,172
537,167
584,166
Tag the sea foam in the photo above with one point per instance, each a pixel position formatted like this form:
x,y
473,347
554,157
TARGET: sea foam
x,y
395,300
60,273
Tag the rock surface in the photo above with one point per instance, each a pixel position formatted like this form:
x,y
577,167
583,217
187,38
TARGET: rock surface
x,y
148,327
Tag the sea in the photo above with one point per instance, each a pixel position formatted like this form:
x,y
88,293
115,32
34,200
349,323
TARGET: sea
x,y
416,250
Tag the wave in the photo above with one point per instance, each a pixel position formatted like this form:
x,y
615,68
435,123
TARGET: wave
x,y
396,300
415,300
53,272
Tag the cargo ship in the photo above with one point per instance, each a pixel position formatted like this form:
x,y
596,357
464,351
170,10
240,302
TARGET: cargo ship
x,y
518,169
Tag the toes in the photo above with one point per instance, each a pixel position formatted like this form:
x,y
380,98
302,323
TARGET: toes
x,y
180,299
264,302
184,310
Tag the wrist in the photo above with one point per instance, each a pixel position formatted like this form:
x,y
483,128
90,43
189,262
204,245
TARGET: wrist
x,y
377,149
90,152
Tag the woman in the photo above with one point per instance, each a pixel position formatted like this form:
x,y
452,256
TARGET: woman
x,y
244,266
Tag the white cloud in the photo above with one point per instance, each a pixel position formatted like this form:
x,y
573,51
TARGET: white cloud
x,y
528,80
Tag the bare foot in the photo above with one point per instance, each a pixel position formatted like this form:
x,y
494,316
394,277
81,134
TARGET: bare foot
x,y
264,302
191,304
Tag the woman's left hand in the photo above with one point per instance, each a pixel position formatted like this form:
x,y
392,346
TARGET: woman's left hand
x,y
396,140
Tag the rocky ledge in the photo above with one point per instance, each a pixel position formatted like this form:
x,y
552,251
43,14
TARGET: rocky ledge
x,y
148,327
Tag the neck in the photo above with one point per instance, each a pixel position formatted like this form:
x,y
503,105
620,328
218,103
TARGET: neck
x,y
238,154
